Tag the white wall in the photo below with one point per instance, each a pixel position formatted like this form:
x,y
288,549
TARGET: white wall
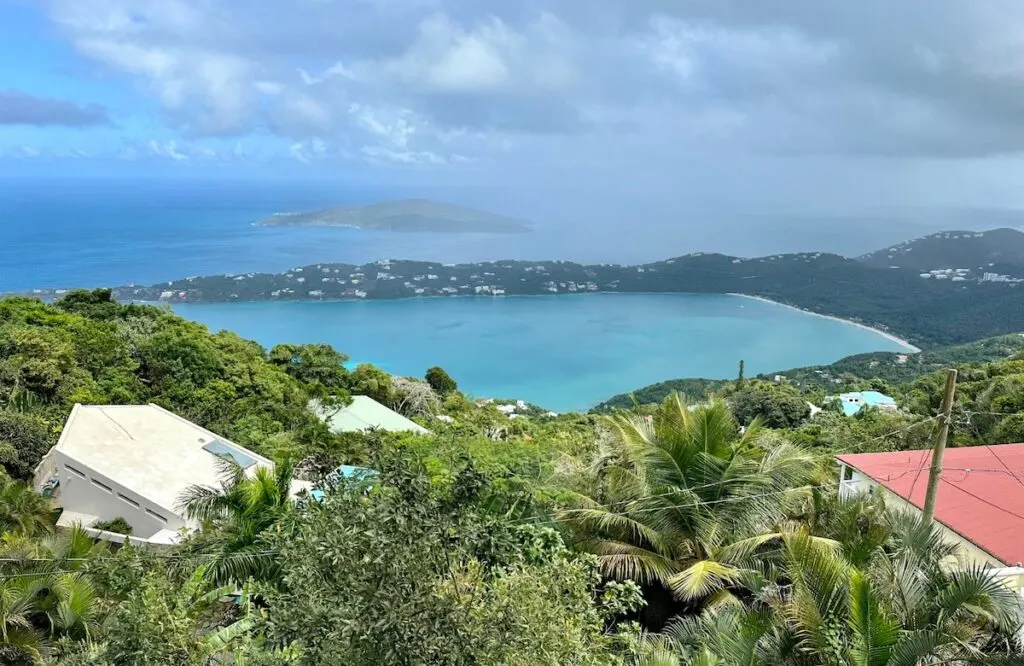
x,y
968,552
82,494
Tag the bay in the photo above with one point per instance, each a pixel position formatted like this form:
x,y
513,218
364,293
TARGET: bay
x,y
565,352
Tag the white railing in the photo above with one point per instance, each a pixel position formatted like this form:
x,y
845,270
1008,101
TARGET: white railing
x,y
849,488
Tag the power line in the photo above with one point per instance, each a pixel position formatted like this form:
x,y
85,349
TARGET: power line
x,y
982,499
678,506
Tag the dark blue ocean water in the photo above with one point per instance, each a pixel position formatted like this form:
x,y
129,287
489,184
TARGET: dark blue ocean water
x,y
89,232
105,233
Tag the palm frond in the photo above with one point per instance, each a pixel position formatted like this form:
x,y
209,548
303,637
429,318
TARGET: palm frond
x,y
702,579
874,632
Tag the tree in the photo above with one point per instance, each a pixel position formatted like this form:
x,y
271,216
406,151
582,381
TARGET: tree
x,y
162,621
441,381
686,499
777,406
371,381
24,440
44,593
233,517
316,364
407,575
900,606
22,510
414,397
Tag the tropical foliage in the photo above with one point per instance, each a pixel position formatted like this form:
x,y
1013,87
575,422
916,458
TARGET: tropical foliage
x,y
905,607
685,498
233,517
664,534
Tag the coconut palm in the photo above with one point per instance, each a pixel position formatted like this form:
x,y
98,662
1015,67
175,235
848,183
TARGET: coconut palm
x,y
233,516
903,609
686,498
22,510
44,593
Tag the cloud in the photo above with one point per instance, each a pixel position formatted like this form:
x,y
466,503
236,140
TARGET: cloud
x,y
18,108
484,78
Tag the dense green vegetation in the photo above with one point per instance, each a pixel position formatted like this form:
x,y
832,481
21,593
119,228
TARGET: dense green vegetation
x,y
666,534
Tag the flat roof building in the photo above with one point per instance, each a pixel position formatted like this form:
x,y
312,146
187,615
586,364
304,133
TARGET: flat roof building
x,y
134,462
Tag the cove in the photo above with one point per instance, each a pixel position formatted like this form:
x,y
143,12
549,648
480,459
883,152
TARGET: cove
x,y
565,352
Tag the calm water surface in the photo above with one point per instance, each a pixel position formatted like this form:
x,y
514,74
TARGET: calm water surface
x,y
564,352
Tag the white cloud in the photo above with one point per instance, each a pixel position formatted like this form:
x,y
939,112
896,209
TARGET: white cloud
x,y
488,78
167,149
407,157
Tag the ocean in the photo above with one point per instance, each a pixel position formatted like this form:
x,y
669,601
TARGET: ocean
x,y
565,352
91,232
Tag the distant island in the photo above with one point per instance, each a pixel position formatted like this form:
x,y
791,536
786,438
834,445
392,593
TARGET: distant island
x,y
932,303
409,215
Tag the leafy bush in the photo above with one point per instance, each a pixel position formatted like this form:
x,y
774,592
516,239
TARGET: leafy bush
x,y
118,525
441,381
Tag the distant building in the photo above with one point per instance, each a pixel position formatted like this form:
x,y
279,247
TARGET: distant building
x,y
134,462
855,401
365,413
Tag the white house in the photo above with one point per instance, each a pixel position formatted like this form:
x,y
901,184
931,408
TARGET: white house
x,y
133,462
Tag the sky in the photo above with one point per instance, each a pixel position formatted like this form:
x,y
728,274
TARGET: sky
x,y
641,108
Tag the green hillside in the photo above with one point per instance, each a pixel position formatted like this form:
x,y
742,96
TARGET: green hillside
x,y
984,251
495,539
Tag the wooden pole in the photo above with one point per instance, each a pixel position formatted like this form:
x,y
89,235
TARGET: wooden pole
x,y
935,472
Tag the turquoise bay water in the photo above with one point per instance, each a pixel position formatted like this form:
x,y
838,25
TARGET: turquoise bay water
x,y
564,352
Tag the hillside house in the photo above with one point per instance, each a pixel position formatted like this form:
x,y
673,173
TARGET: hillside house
x,y
134,462
855,401
978,507
365,413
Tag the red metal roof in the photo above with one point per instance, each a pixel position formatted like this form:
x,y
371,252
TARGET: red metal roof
x,y
981,495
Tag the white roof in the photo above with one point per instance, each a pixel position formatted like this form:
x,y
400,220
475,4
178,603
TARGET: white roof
x,y
365,413
148,450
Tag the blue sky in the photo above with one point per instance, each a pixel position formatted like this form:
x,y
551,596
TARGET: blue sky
x,y
645,107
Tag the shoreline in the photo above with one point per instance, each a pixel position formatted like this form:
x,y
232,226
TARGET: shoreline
x,y
911,348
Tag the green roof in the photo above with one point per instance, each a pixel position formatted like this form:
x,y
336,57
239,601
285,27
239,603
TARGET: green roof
x,y
365,413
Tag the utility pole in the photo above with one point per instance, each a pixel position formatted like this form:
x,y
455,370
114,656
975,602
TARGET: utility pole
x,y
935,472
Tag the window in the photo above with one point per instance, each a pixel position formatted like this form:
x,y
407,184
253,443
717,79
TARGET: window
x,y
129,500
156,515
226,451
102,485
73,470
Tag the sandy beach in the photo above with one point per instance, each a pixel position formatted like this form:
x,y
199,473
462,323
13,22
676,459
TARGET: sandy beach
x,y
889,336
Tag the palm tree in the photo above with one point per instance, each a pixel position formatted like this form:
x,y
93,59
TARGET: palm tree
x,y
22,510
233,516
44,593
904,608
686,498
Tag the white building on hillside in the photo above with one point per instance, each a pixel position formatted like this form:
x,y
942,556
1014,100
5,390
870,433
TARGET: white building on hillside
x,y
134,462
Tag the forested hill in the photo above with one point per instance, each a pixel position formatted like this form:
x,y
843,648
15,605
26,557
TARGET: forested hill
x,y
929,310
857,372
419,215
995,251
